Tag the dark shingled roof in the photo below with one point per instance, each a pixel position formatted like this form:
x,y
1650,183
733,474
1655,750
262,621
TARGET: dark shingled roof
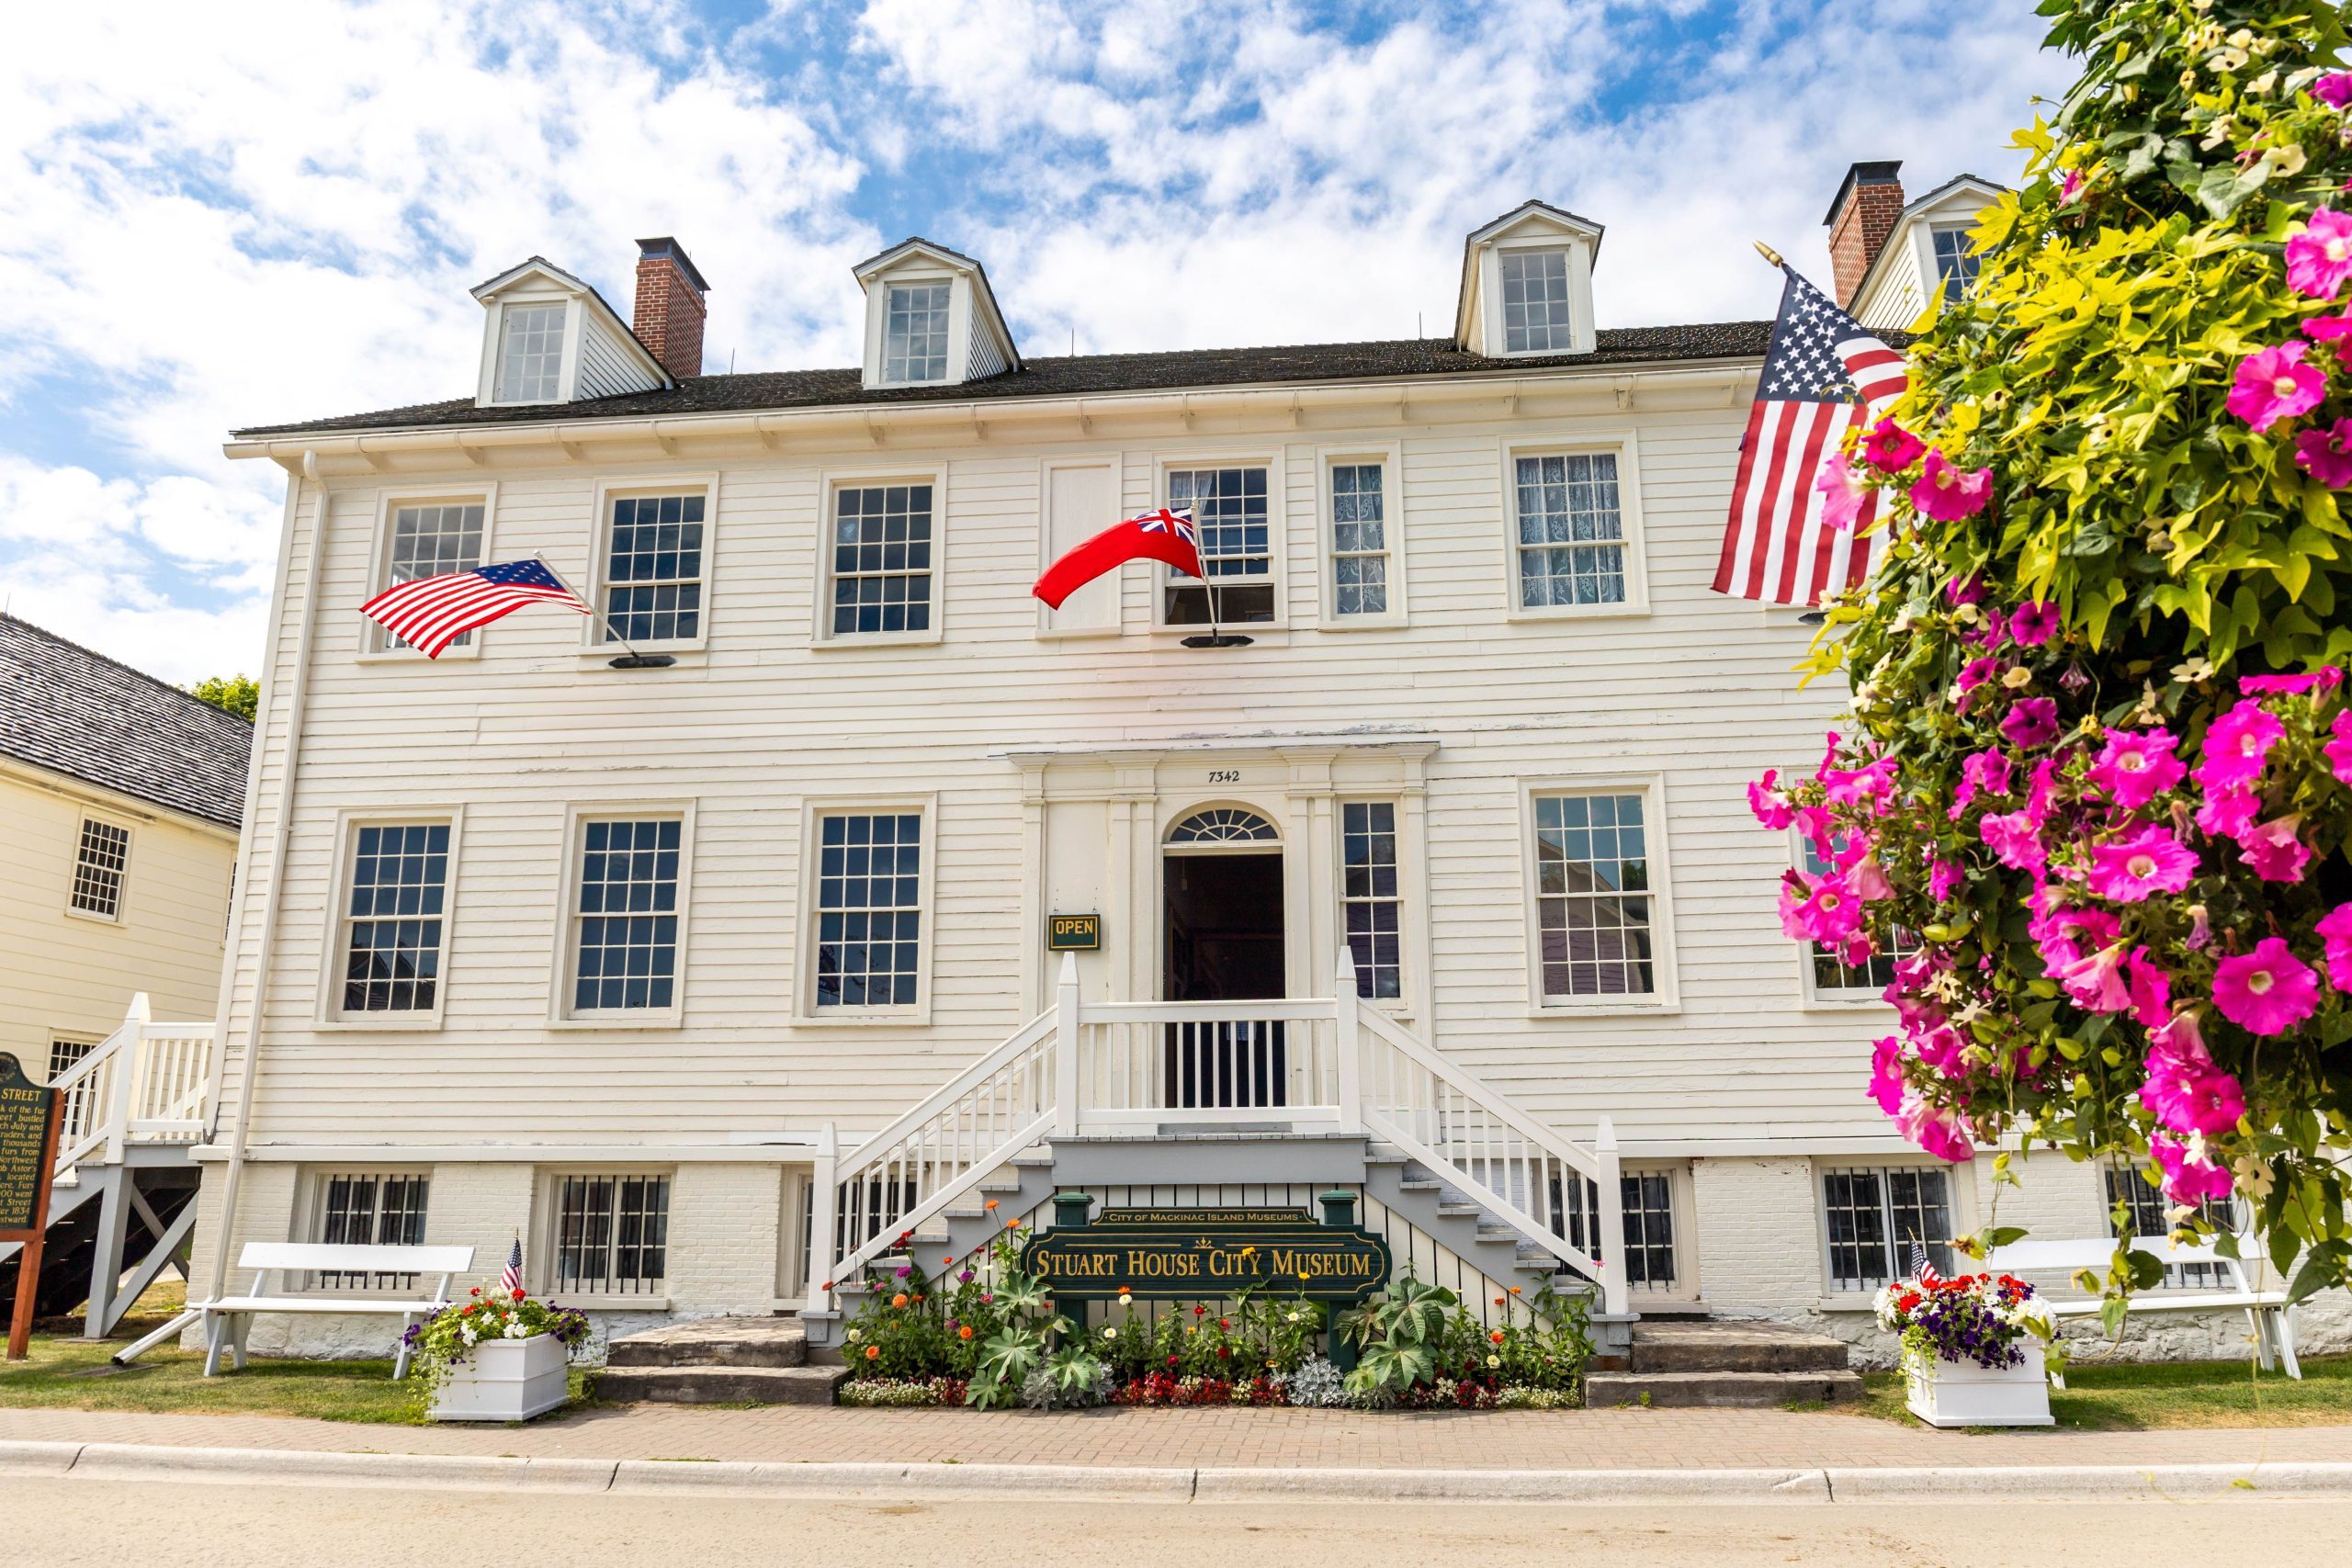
x,y
1084,374
78,713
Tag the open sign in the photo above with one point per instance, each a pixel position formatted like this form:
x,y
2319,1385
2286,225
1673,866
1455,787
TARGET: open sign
x,y
1073,934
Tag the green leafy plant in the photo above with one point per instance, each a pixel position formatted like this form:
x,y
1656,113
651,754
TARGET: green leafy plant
x,y
451,1336
1399,1334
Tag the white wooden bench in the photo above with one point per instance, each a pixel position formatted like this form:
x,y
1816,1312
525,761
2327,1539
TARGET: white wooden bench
x,y
229,1319
2266,1311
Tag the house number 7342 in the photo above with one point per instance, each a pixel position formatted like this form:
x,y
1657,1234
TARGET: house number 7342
x,y
1225,775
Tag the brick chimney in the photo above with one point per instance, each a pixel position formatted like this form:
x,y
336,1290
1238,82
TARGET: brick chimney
x,y
669,308
1860,220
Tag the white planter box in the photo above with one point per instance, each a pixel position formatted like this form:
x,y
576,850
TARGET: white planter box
x,y
506,1380
1962,1393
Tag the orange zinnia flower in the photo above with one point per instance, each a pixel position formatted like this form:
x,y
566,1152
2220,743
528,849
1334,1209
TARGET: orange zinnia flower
x,y
1514,1290
1497,1336
899,1300
1500,1300
965,1332
874,1352
990,1204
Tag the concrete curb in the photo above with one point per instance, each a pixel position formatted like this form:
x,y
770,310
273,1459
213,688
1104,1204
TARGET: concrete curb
x,y
1145,1483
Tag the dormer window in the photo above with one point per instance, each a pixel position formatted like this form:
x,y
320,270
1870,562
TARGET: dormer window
x,y
530,360
1955,262
915,347
1535,302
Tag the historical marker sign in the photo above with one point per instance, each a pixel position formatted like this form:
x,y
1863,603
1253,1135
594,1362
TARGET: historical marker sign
x,y
1202,1254
26,1112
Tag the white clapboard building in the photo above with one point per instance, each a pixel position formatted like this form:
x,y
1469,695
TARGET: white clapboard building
x,y
710,974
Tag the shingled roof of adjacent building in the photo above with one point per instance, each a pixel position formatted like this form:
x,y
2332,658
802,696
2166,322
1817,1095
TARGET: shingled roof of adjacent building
x,y
1086,375
75,712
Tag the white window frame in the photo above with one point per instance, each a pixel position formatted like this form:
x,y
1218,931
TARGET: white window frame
x,y
1960,1195
1935,290
80,1044
546,1215
947,355
1278,528
1507,253
561,1014
1683,1217
830,485
1493,335
129,831
376,643
329,1014
813,812
494,353
917,273
1402,1000
1620,444
593,646
1390,458
1666,997
313,1194
1843,999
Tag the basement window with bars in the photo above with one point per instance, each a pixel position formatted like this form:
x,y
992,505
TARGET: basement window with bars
x,y
2148,1216
1647,1199
99,867
612,1236
1873,1215
370,1208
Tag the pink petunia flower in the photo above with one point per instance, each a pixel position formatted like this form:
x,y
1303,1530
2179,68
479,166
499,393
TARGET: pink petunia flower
x,y
1817,909
1964,590
1943,880
1942,1133
2187,1179
2151,990
1976,672
2273,850
2336,930
2339,748
2097,981
2035,621
2326,678
1948,495
1844,490
2033,723
1770,806
2320,258
2335,89
2181,1042
2063,935
2070,188
2236,745
2324,452
2272,384
1890,448
1886,1075
2228,813
1981,772
2149,862
2327,329
2015,840
2266,991
1865,880
2136,767
2190,1101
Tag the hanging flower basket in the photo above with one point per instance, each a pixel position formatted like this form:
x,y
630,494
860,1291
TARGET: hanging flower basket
x,y
1973,1350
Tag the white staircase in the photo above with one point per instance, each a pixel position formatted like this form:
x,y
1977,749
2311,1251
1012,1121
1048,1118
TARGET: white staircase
x,y
1088,1089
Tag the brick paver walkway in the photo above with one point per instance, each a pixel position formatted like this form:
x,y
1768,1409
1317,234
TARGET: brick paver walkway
x,y
1584,1439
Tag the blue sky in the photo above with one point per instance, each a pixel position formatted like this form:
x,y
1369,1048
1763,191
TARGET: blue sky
x,y
204,225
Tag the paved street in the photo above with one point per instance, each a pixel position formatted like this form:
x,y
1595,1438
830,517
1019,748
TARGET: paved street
x,y
54,1523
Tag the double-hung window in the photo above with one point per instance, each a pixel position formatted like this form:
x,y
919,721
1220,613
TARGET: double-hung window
x,y
1593,902
612,1236
869,910
882,558
1955,262
370,1208
1368,852
1535,301
914,328
1360,551
392,921
1571,549
530,353
430,539
1833,978
653,568
1229,509
1873,1216
101,861
625,930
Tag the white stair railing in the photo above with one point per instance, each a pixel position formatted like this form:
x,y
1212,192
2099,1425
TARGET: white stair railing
x,y
146,1082
1558,1194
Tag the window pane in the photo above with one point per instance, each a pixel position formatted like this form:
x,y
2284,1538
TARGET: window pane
x,y
882,537
869,918
98,868
2149,1217
1831,974
393,920
432,541
627,927
915,342
1571,531
1649,1229
1368,856
1229,511
531,355
653,568
1918,1208
1955,263
1535,301
1358,540
1589,855
1857,1224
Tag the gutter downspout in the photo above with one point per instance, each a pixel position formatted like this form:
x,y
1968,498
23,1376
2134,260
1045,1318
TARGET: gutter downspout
x,y
280,831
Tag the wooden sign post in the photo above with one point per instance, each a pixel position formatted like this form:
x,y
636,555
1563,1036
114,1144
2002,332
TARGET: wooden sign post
x,y
28,1119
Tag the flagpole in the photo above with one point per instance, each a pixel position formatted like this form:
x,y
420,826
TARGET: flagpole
x,y
637,660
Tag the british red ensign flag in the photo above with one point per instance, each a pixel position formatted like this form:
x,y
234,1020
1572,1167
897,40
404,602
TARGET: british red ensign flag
x,y
1161,536
1823,376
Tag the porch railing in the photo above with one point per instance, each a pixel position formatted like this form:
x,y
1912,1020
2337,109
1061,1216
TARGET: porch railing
x,y
1110,1068
147,1082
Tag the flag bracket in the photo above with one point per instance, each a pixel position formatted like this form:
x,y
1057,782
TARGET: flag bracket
x,y
643,661
1221,639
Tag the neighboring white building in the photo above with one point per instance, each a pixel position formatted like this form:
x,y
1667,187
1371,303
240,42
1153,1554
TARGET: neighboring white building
x,y
634,960
1890,258
120,802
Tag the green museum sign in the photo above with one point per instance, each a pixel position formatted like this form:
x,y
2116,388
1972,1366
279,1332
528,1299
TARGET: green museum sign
x,y
1202,1254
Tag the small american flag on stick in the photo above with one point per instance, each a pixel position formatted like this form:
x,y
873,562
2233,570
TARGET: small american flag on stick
x,y
1822,376
433,611
510,1279
1921,1269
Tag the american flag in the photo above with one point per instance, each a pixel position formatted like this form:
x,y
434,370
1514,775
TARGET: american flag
x,y
1823,376
1921,1269
432,612
510,1280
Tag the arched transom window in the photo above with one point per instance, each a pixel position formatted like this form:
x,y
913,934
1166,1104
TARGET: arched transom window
x,y
1223,825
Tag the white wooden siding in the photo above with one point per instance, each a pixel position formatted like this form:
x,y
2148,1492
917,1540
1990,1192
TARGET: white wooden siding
x,y
981,358
1697,689
608,370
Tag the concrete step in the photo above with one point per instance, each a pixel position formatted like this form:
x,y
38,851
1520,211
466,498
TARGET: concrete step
x,y
720,1385
1722,1346
1741,1391
715,1342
